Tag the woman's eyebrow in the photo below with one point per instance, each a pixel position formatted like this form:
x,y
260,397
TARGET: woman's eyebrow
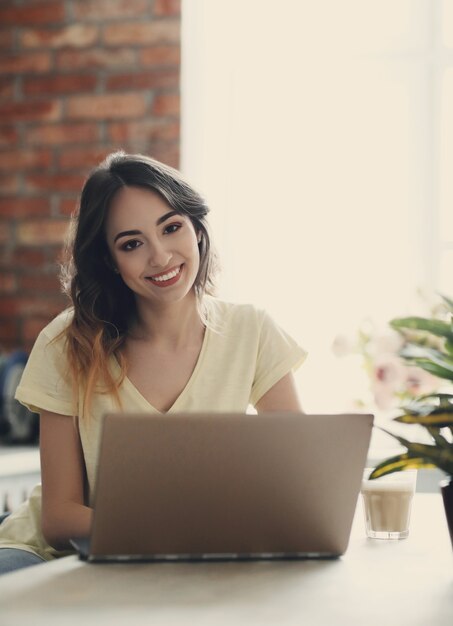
x,y
166,216
126,233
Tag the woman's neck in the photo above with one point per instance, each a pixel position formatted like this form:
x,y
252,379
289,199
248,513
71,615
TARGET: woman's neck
x,y
173,326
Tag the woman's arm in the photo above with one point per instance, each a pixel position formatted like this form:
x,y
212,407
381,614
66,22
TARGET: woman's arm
x,y
281,397
64,514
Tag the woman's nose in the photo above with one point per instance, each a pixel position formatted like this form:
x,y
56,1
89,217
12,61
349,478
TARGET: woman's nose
x,y
159,256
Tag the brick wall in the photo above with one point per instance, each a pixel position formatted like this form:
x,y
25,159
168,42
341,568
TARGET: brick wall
x,y
78,79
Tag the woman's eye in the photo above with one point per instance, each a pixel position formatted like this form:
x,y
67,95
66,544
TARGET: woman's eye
x,y
172,228
132,244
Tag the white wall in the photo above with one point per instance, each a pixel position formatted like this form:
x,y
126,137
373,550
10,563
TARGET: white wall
x,y
313,130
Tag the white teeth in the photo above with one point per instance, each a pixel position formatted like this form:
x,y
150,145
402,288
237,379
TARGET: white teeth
x,y
160,279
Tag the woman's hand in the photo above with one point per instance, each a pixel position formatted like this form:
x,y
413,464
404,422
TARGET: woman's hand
x,y
64,514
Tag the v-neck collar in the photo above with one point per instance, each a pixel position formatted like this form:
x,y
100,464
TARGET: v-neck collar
x,y
174,407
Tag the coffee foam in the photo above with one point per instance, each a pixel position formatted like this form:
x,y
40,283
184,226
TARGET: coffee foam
x,y
376,485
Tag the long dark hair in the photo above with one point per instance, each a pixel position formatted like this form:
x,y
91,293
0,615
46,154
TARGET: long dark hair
x,y
104,306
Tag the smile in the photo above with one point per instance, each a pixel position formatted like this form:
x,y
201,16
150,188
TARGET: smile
x,y
169,278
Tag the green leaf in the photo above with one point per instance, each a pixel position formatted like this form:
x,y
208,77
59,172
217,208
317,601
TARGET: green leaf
x,y
448,301
441,457
436,327
442,397
414,351
429,359
434,369
438,438
440,420
423,407
399,463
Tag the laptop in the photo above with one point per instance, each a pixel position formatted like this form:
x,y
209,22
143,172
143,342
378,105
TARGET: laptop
x,y
226,486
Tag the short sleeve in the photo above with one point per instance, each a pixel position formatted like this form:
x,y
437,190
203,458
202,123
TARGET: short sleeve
x,y
278,354
45,384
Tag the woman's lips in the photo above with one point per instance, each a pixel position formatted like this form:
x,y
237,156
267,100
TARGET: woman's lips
x,y
160,280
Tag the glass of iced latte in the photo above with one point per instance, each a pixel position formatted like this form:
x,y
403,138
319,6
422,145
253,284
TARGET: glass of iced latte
x,y
387,504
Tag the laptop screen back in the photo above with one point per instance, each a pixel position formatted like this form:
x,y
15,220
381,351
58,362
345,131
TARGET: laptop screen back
x,y
214,484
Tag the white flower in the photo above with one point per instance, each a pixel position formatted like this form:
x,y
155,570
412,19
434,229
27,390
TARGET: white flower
x,y
419,382
386,344
388,378
343,345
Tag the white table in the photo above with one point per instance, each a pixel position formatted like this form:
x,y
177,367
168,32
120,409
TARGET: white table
x,y
385,583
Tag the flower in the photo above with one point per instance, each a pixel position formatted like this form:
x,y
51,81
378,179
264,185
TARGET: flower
x,y
432,410
391,380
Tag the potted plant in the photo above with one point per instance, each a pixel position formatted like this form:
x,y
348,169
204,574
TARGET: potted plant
x,y
432,411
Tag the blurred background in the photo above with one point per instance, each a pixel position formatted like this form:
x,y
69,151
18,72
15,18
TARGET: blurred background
x,y
320,133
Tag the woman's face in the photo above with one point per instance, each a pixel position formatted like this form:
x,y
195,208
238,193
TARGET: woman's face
x,y
154,248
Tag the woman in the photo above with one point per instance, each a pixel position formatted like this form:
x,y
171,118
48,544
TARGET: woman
x,y
144,333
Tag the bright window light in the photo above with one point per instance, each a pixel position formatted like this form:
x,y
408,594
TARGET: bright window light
x,y
446,161
447,22
309,127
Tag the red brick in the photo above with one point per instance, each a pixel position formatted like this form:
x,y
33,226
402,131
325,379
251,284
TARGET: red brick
x,y
143,130
160,56
39,232
67,206
23,257
47,283
6,88
9,184
21,63
24,344
24,207
28,306
8,136
81,158
144,80
61,134
142,33
8,332
167,153
29,111
108,9
96,58
39,13
32,326
166,104
28,159
5,232
167,7
63,83
7,282
6,39
56,255
106,106
54,182
73,36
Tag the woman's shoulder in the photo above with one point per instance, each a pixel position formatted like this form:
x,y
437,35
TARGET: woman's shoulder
x,y
223,312
58,325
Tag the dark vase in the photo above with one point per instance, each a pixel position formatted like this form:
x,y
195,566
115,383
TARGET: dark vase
x,y
446,486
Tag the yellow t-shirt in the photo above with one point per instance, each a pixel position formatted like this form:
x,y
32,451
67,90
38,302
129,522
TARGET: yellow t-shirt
x,y
244,353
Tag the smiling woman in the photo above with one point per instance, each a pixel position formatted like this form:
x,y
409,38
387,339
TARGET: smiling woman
x,y
160,251
145,333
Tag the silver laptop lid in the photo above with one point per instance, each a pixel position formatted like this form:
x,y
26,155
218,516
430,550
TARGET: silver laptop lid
x,y
211,484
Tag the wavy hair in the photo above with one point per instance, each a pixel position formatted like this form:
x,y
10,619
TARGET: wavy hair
x,y
104,306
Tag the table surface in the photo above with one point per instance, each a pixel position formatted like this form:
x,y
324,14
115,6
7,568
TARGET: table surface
x,y
405,582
